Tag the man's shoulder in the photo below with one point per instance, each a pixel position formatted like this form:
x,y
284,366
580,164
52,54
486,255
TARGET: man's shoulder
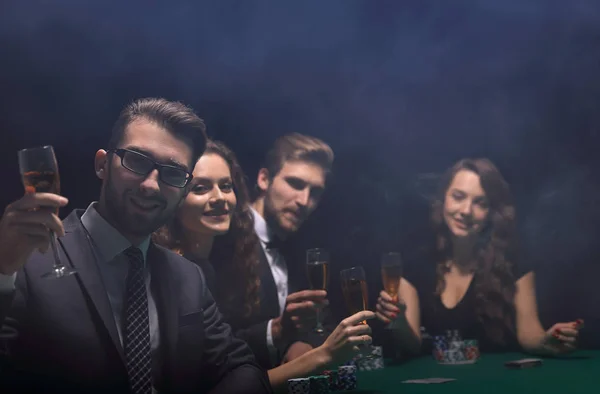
x,y
175,260
183,276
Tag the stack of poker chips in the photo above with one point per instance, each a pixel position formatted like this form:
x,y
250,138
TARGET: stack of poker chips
x,y
471,349
455,351
341,380
319,385
299,386
451,349
346,377
374,362
351,362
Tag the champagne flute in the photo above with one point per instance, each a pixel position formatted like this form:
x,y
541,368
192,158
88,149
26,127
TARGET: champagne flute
x,y
317,269
391,273
354,288
39,172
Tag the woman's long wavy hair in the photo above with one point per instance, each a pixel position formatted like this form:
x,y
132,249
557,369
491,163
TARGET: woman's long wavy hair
x,y
234,255
495,249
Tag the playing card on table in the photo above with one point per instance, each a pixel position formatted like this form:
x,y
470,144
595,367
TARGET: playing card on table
x,y
429,380
527,360
524,363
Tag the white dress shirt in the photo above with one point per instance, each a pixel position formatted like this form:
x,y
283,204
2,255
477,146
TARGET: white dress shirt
x,y
7,282
278,269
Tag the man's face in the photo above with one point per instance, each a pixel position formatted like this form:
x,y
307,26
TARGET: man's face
x,y
137,204
292,194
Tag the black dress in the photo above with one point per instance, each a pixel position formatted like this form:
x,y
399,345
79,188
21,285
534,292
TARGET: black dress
x,y
436,318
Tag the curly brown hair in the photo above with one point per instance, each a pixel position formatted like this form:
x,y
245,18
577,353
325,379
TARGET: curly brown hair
x,y
494,250
234,255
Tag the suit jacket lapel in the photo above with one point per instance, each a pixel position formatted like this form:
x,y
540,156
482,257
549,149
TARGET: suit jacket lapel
x,y
78,250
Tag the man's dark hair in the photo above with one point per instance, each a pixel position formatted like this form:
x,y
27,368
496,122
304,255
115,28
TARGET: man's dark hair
x,y
173,116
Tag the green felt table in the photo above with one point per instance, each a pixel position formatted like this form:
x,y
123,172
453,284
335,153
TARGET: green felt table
x,y
577,373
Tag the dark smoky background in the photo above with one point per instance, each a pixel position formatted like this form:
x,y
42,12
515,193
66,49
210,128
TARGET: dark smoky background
x,y
400,89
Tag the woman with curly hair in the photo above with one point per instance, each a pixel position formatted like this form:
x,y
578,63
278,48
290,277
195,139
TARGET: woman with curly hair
x,y
214,229
473,282
218,229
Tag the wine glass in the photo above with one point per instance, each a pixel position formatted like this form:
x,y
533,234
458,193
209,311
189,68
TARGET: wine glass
x,y
317,270
39,172
354,287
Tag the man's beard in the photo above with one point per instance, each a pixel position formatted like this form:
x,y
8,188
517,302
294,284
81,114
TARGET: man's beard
x,y
130,223
273,220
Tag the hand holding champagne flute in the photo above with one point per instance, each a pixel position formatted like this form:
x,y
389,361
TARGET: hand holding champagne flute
x,y
39,172
354,288
317,269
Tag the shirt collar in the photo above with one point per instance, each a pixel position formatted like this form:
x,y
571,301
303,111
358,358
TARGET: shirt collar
x,y
261,228
109,241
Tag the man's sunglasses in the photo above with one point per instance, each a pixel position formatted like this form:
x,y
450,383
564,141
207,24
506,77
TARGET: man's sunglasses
x,y
143,165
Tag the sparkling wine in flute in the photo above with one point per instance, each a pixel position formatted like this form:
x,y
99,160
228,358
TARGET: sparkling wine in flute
x,y
391,276
355,294
354,288
391,273
318,275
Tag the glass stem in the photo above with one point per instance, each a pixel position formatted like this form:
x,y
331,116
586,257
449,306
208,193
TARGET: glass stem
x,y
57,262
319,326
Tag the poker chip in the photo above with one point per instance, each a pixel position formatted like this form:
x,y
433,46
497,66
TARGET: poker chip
x,y
352,363
346,369
454,356
440,342
370,364
346,378
455,345
377,351
299,386
370,360
455,336
319,385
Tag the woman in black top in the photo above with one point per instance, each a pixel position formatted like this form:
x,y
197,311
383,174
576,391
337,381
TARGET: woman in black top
x,y
471,280
214,229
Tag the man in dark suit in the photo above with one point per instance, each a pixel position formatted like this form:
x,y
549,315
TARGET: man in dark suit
x,y
289,186
135,317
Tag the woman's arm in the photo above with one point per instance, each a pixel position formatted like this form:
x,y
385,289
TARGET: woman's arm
x,y
305,365
404,315
531,335
340,346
